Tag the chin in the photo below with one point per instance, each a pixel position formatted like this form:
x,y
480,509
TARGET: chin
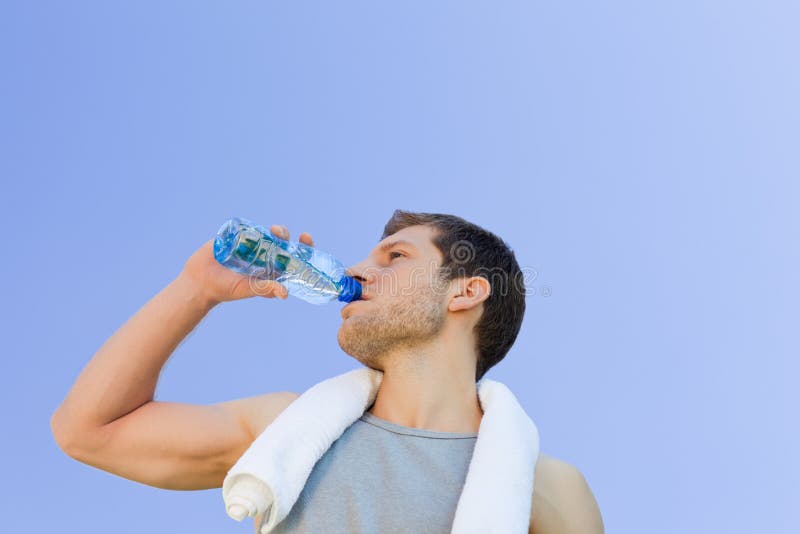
x,y
357,351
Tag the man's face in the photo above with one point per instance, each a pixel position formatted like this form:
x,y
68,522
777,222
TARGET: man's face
x,y
405,302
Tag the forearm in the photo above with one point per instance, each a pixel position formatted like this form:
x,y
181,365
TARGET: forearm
x,y
123,374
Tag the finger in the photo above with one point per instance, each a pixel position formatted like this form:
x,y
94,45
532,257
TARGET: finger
x,y
305,237
277,290
281,292
268,288
280,231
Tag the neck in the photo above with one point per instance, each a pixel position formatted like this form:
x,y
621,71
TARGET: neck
x,y
431,386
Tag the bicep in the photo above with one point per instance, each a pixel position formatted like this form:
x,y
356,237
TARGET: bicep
x,y
169,445
179,446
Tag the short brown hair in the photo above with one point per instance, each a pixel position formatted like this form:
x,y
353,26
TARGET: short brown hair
x,y
469,250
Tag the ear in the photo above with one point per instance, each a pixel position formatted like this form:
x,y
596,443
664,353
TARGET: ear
x,y
470,292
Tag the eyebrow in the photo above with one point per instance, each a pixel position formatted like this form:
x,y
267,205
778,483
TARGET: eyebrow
x,y
391,244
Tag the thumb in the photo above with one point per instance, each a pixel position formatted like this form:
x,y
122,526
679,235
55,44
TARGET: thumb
x,y
268,288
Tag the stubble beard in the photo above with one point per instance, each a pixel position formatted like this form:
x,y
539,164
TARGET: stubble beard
x,y
407,322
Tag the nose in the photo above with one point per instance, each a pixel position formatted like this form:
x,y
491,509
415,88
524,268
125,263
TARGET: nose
x,y
361,273
355,273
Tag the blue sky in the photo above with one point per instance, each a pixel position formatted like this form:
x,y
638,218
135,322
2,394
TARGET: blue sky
x,y
640,157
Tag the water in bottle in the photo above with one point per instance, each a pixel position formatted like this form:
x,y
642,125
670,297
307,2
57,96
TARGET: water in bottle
x,y
306,272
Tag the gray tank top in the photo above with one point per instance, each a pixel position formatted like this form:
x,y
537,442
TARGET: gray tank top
x,y
381,477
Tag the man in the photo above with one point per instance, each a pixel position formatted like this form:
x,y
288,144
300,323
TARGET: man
x,y
443,303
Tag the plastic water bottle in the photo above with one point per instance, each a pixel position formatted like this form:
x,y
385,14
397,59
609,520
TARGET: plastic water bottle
x,y
306,272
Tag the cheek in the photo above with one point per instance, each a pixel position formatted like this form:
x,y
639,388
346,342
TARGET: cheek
x,y
411,281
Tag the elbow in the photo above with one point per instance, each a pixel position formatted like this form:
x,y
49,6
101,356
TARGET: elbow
x,y
64,434
74,441
82,442
61,434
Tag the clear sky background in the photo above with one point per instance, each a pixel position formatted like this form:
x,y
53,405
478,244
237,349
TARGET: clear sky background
x,y
642,158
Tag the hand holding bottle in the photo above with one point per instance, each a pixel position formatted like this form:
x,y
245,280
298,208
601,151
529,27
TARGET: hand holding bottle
x,y
220,284
306,272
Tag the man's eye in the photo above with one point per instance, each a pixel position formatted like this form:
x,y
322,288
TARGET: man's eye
x,y
391,254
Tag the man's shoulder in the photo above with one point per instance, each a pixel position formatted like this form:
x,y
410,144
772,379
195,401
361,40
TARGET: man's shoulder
x,y
562,500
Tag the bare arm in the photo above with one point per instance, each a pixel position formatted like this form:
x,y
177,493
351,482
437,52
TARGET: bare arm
x,y
562,501
123,374
109,418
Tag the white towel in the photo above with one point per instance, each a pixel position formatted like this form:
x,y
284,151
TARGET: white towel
x,y
496,497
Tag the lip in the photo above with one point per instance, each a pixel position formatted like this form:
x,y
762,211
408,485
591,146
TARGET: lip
x,y
350,305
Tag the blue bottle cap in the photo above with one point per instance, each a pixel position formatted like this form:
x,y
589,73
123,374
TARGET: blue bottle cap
x,y
351,289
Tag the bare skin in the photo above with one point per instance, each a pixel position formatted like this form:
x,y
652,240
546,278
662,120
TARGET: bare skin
x,y
110,419
419,333
416,331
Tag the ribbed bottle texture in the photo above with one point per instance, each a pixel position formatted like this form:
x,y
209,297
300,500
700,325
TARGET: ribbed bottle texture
x,y
308,273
